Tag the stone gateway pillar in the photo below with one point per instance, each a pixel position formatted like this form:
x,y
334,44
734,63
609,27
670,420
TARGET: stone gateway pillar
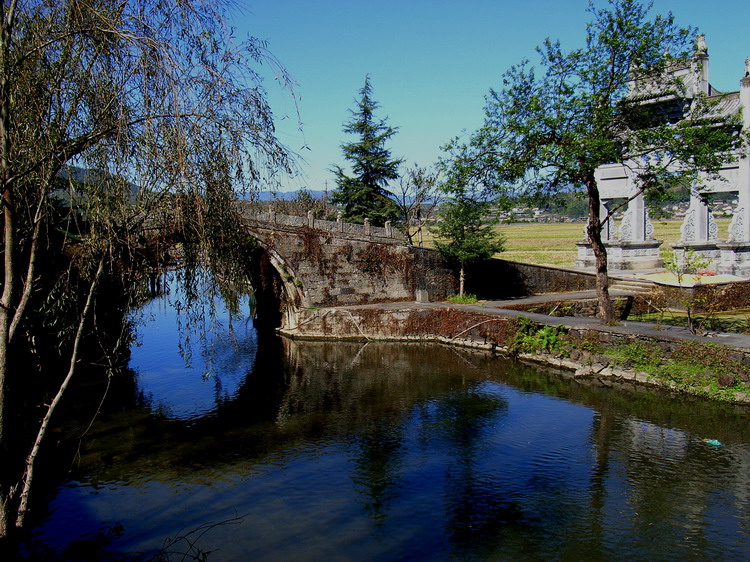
x,y
633,247
735,252
699,232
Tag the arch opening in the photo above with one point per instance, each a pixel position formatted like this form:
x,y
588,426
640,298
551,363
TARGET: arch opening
x,y
277,297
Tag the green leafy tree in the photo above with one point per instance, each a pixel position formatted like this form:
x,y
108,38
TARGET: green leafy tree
x,y
687,264
545,131
170,111
365,194
465,235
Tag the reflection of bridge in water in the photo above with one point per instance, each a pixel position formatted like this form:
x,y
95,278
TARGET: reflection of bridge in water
x,y
474,415
304,262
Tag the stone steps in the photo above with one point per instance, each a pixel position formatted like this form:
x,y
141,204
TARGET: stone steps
x,y
633,286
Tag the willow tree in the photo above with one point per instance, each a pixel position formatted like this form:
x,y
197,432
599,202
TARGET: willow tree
x,y
157,98
548,130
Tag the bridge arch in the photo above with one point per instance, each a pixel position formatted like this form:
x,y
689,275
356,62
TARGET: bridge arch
x,y
303,262
279,293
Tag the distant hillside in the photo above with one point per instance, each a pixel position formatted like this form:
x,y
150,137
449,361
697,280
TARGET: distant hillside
x,y
81,175
88,176
92,177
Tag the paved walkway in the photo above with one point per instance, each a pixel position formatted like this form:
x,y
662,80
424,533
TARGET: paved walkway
x,y
740,341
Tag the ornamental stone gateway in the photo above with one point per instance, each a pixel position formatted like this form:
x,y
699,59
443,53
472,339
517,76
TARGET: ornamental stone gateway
x,y
633,246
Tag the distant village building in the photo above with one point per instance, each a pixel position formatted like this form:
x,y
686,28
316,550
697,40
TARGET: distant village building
x,y
632,245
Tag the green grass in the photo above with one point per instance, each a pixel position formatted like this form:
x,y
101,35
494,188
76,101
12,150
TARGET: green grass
x,y
693,366
543,244
555,243
466,298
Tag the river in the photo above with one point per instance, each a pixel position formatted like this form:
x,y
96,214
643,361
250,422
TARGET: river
x,y
262,448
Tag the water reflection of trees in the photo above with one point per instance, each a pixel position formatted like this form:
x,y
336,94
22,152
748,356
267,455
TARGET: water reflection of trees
x,y
647,473
352,381
377,463
669,477
291,393
653,478
477,504
377,394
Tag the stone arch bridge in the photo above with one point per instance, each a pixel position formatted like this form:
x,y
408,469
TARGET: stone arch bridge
x,y
303,262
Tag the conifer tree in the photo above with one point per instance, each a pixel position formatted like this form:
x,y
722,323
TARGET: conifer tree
x,y
364,195
465,237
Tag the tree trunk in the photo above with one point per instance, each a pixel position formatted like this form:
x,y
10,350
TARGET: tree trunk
x,y
7,20
6,314
461,277
31,460
594,233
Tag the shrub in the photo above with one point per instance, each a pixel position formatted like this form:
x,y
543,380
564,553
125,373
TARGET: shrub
x,y
532,337
466,298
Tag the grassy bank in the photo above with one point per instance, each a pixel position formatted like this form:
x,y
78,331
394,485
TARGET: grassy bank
x,y
702,369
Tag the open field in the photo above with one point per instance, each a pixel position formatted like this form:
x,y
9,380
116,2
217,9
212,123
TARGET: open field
x,y
554,243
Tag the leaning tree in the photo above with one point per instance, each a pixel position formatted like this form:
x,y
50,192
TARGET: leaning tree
x,y
549,129
159,99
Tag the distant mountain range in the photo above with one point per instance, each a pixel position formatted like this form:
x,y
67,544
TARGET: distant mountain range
x,y
81,175
89,176
287,195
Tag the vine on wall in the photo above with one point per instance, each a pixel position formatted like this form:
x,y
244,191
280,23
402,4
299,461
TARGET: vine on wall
x,y
378,260
313,240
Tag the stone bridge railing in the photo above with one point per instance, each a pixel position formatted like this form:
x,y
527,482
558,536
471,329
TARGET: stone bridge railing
x,y
386,234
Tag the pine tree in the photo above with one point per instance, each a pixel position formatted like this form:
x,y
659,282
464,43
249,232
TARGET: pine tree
x,y
365,195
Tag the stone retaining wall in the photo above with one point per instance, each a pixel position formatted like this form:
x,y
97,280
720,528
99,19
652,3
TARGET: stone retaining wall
x,y
499,279
469,328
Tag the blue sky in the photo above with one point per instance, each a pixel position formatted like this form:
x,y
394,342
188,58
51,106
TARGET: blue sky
x,y
431,63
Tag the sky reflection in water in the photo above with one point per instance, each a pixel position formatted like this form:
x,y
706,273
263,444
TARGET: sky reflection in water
x,y
393,451
183,378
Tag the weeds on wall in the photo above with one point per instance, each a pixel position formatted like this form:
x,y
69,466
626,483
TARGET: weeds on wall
x,y
531,337
702,368
312,242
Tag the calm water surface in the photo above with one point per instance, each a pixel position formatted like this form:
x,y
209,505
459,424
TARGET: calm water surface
x,y
290,450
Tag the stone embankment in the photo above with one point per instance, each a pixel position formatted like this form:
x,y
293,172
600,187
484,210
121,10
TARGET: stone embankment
x,y
491,327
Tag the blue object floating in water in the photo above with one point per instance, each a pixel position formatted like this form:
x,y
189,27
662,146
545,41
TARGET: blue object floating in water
x,y
713,442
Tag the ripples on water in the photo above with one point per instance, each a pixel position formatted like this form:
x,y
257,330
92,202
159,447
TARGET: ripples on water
x,y
314,451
